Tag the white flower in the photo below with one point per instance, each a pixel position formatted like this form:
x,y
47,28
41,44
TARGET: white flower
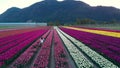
x,y
80,60
103,62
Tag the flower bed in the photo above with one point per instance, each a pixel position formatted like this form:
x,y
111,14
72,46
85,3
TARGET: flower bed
x,y
25,57
100,32
100,43
80,60
61,60
43,57
103,29
19,31
1,63
12,50
100,60
13,41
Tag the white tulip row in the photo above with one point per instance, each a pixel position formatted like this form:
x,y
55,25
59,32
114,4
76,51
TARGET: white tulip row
x,y
99,59
78,57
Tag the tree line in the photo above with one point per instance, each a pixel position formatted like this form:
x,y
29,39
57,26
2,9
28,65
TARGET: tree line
x,y
83,22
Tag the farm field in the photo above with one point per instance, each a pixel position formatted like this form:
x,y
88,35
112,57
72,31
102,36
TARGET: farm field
x,y
5,27
103,26
63,47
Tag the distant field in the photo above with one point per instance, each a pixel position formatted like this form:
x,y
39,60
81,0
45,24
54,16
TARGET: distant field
x,y
107,26
5,27
10,27
20,25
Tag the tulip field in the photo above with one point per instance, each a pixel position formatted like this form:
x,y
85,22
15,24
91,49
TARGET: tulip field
x,y
63,47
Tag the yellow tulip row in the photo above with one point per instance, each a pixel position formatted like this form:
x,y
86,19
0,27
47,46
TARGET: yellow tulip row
x,y
101,32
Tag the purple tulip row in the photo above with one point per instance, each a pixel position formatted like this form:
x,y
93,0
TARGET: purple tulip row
x,y
25,57
61,60
13,48
106,45
43,57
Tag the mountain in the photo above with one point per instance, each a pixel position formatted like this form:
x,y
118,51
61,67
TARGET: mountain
x,y
65,11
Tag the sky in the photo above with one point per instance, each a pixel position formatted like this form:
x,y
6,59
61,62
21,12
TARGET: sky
x,y
5,4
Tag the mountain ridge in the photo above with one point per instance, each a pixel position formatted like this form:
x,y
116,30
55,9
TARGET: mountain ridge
x,y
65,11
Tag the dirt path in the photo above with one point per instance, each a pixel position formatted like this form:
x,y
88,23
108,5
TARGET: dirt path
x,y
52,60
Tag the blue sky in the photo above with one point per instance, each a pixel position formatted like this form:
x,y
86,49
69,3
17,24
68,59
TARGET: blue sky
x,y
5,4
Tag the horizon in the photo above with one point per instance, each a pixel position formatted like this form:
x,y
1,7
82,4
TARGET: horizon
x,y
4,5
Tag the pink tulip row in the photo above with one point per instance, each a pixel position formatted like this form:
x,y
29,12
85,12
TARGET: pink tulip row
x,y
25,57
61,60
43,57
14,48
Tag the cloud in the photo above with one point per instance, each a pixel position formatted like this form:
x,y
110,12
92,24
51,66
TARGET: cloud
x,y
5,4
114,3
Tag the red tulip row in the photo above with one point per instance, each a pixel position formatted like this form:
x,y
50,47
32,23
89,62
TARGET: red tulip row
x,y
61,60
15,47
25,57
13,41
10,39
43,57
17,35
1,63
19,31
